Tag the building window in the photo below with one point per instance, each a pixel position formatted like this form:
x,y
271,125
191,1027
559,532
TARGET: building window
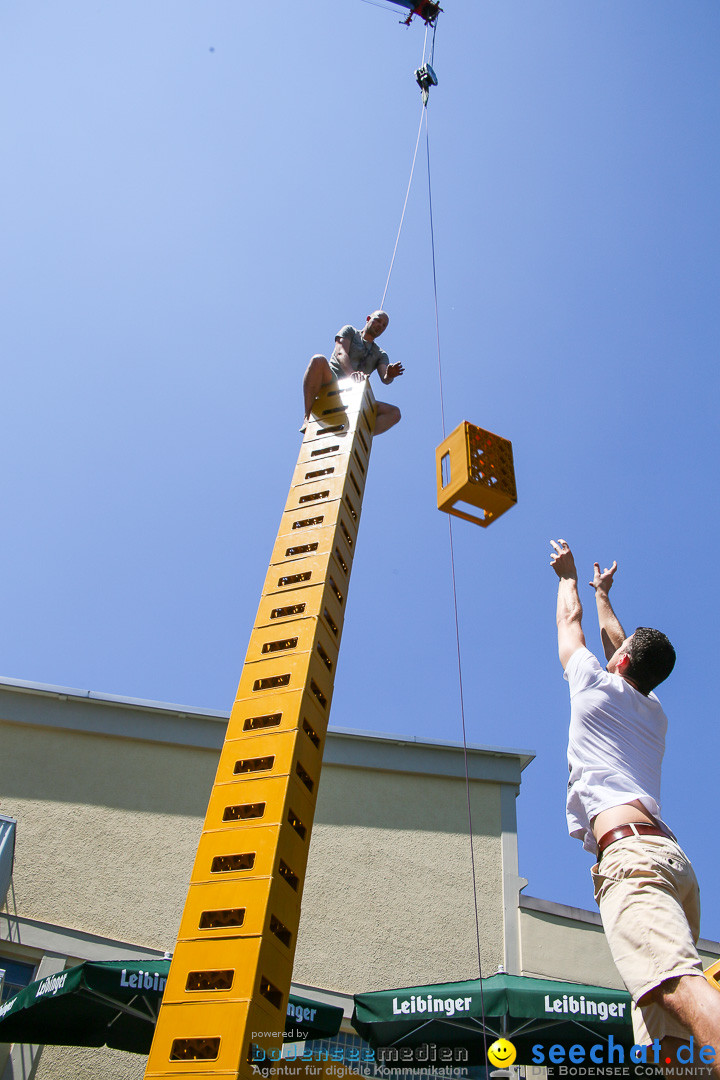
x,y
17,976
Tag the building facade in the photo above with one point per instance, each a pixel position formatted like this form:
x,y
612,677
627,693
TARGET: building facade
x,y
109,796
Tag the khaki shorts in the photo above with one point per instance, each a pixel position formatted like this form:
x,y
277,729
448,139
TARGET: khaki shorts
x,y
649,903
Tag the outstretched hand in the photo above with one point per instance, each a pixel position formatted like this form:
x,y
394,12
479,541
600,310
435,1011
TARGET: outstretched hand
x,y
562,560
603,581
393,371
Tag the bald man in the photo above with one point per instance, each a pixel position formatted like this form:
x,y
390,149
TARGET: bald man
x,y
356,355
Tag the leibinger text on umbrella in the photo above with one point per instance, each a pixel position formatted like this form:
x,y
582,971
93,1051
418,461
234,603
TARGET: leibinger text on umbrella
x,y
51,985
569,1004
6,1007
301,1012
427,1003
143,980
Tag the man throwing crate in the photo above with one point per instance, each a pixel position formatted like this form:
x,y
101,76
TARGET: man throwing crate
x,y
644,884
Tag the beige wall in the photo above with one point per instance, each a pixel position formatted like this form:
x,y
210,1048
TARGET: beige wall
x,y
108,828
567,943
80,1063
390,865
559,947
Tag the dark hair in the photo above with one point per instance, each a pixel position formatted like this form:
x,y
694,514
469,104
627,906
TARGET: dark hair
x,y
652,658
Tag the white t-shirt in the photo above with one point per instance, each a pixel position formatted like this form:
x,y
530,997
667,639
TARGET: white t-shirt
x,y
616,745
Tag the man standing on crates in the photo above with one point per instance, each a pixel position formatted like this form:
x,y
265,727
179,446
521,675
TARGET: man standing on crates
x,y
644,884
356,355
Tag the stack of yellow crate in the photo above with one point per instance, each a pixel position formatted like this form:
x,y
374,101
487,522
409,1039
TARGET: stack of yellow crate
x,y
226,997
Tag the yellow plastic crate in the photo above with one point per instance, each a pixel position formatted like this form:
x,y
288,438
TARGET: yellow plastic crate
x,y
341,513
304,636
279,712
326,602
348,394
288,753
332,460
318,542
236,854
255,907
712,974
327,446
475,472
230,1026
276,674
249,963
311,569
259,802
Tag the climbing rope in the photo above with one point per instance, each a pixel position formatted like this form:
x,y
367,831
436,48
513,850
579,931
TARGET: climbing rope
x,y
412,172
402,216
454,591
425,78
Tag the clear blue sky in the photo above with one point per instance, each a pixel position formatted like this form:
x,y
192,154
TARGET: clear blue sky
x,y
196,195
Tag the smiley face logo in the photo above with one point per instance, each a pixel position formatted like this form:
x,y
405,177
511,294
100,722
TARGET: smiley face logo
x,y
502,1053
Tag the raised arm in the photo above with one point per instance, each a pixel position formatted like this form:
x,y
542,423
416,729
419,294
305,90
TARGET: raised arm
x,y
389,372
569,608
611,630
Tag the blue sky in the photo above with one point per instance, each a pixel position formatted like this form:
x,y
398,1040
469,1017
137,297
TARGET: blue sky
x,y
195,196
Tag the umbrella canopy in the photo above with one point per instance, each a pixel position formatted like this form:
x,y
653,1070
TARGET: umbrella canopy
x,y
310,1020
111,1002
468,1014
115,1003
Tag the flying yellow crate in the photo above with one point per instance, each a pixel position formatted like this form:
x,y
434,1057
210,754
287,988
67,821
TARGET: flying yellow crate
x,y
475,472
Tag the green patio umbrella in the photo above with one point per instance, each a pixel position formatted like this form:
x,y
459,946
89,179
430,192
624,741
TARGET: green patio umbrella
x,y
311,1020
115,1003
528,1012
104,1003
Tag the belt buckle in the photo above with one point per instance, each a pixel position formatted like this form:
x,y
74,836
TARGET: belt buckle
x,y
634,831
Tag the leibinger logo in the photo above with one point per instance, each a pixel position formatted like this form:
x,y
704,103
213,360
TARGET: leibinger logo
x,y
51,985
143,980
582,1006
432,1006
301,1013
6,1007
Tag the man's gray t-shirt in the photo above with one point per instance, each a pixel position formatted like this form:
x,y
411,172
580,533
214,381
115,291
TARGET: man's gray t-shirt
x,y
365,356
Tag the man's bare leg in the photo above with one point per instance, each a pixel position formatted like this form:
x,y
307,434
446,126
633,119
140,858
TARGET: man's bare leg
x,y
696,1004
318,374
387,417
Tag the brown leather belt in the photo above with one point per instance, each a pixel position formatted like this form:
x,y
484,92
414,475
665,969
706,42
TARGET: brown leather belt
x,y
635,828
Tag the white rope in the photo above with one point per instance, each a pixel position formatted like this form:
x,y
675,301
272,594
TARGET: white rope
x,y
407,193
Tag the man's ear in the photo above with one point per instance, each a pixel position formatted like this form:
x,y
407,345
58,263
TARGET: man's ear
x,y
623,664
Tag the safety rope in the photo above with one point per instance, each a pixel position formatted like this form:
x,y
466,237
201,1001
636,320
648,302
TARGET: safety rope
x,y
402,216
455,604
412,172
424,115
